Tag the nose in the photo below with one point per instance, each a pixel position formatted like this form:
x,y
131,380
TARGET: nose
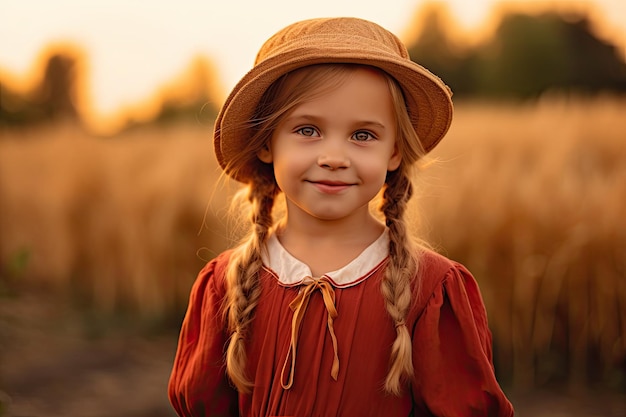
x,y
333,155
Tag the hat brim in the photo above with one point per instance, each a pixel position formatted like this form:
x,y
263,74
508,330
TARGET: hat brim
x,y
428,99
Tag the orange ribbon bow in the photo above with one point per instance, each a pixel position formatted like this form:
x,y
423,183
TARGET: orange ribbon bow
x,y
298,306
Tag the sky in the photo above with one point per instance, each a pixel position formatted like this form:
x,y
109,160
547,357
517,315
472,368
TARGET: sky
x,y
134,46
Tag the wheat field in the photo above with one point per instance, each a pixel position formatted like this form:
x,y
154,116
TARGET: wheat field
x,y
530,197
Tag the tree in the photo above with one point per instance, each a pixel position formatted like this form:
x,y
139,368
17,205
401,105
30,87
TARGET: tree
x,y
435,50
530,55
51,98
527,56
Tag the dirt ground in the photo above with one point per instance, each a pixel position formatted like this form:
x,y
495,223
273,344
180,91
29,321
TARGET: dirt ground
x,y
55,363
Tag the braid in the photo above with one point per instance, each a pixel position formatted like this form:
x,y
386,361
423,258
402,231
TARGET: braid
x,y
396,285
243,289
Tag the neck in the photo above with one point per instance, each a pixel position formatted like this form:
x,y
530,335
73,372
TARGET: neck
x,y
328,245
362,228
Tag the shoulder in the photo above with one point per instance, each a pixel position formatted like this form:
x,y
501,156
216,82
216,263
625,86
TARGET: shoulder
x,y
217,265
436,272
446,284
212,276
433,266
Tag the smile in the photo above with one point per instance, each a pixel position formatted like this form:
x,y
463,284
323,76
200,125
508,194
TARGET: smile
x,y
330,187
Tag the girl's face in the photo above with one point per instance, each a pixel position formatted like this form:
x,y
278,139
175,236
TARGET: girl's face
x,y
331,154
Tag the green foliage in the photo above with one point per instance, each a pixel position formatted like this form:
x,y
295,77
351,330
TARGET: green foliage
x,y
12,273
527,56
435,50
53,98
192,99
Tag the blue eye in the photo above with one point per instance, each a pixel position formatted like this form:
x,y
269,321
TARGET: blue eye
x,y
363,136
307,131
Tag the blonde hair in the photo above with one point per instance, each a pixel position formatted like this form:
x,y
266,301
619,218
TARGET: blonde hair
x,y
242,282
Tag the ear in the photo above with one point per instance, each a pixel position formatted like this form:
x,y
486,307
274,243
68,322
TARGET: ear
x,y
265,154
394,160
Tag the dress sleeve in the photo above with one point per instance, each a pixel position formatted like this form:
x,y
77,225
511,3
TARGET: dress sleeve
x,y
452,353
198,385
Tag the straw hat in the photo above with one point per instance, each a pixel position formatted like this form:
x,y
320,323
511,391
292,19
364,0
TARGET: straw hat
x,y
331,40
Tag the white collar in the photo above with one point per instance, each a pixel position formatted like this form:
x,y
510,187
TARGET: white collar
x,y
290,271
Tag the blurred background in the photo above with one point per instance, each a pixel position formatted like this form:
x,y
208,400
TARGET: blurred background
x,y
111,200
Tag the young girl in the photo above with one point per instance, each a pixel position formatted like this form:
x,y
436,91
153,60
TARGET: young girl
x,y
329,311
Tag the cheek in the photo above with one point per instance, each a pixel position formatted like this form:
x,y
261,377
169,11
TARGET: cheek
x,y
285,162
374,172
288,166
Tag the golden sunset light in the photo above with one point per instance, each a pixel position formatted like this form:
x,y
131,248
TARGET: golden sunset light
x,y
113,200
131,49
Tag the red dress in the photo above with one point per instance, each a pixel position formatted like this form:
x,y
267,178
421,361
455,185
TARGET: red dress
x,y
452,357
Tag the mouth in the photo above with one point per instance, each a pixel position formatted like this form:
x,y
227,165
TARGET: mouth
x,y
330,187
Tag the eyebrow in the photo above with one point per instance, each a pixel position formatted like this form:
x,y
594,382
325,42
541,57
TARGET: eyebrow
x,y
312,118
